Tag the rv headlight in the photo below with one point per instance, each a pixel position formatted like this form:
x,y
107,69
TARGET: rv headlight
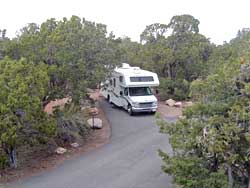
x,y
136,104
154,103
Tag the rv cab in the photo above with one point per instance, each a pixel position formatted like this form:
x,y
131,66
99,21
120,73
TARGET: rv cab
x,y
130,88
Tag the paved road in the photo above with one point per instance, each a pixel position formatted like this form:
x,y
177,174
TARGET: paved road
x,y
130,160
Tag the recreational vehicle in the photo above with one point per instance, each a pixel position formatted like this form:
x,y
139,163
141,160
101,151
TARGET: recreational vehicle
x,y
130,88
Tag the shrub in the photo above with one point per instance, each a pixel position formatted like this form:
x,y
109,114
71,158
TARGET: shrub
x,y
176,89
3,160
72,129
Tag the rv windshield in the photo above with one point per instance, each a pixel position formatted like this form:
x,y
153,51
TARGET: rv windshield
x,y
139,91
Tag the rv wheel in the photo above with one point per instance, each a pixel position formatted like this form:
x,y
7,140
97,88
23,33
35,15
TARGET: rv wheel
x,y
108,98
130,111
153,112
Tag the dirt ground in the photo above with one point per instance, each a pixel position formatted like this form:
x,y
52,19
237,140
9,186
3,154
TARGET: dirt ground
x,y
168,111
61,102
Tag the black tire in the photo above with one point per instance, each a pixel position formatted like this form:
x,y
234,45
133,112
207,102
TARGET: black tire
x,y
130,110
153,113
108,99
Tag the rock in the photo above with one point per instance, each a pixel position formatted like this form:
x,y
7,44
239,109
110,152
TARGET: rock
x,y
83,108
178,104
94,96
93,111
96,124
170,102
60,150
74,145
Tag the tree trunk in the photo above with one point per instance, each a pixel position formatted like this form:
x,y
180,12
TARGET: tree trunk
x,y
230,176
169,70
11,152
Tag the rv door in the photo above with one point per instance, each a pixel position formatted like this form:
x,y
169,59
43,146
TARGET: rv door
x,y
124,97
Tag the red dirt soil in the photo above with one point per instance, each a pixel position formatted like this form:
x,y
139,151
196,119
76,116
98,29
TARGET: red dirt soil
x,y
168,111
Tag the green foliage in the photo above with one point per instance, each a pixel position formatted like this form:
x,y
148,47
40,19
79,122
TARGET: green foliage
x,y
213,139
23,85
77,45
218,86
182,55
175,89
72,128
54,60
184,24
191,172
153,33
3,161
4,41
79,51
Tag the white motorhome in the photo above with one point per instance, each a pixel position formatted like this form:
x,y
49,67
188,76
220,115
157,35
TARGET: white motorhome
x,y
130,88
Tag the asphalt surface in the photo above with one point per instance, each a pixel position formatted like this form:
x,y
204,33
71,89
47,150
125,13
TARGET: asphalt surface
x,y
130,160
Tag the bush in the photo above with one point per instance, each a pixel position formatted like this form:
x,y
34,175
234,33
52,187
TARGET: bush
x,y
175,89
72,129
3,160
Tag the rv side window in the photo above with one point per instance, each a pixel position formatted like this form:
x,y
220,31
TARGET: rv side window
x,y
111,82
126,91
114,82
121,78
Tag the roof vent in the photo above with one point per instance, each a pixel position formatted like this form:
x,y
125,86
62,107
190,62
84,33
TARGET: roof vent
x,y
125,66
136,68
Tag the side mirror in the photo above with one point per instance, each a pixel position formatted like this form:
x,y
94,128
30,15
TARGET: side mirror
x,y
121,93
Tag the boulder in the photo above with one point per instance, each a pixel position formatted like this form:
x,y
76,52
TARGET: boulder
x,y
74,145
95,124
170,102
178,104
60,150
